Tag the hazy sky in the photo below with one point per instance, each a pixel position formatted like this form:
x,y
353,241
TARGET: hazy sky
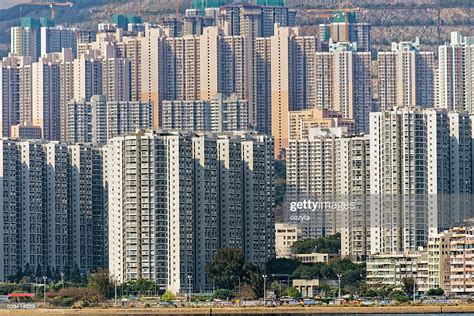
x,y
8,3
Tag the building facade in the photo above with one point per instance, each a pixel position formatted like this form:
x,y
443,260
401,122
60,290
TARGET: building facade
x,y
53,207
176,186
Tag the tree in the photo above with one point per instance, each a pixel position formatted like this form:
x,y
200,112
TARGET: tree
x,y
168,296
100,281
293,292
282,266
409,285
76,276
39,272
329,244
435,292
226,269
399,296
253,276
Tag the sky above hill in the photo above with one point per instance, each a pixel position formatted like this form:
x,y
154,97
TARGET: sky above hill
x,y
9,3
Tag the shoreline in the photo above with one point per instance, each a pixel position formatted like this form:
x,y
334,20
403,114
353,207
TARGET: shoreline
x,y
252,310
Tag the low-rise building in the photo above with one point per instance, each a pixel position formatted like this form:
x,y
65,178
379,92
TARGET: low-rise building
x,y
301,121
451,260
316,257
309,288
391,269
285,236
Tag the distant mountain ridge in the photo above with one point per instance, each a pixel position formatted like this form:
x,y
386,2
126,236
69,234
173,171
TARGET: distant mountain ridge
x,y
431,20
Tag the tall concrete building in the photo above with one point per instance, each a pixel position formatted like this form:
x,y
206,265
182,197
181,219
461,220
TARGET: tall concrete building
x,y
456,73
116,79
15,92
261,86
222,64
52,87
219,114
344,27
290,55
331,168
406,77
53,207
54,39
189,201
87,75
352,87
181,68
421,175
24,42
98,120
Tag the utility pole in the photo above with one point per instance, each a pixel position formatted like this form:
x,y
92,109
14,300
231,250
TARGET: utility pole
x,y
264,290
190,277
339,288
44,291
115,291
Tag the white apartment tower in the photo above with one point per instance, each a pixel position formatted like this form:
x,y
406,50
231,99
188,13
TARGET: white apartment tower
x,y
222,64
330,166
219,114
406,77
183,207
352,90
420,173
456,74
97,121
53,207
15,92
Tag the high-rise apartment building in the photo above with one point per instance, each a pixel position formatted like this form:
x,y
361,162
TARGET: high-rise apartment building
x,y
344,27
52,86
222,64
352,87
456,74
420,173
98,120
53,207
331,168
24,42
15,92
261,86
183,207
291,56
219,114
406,77
54,39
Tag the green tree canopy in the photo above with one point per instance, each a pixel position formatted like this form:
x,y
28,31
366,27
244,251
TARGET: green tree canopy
x,y
329,244
227,267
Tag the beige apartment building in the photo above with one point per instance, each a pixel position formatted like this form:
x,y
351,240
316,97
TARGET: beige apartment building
x,y
406,77
301,121
451,260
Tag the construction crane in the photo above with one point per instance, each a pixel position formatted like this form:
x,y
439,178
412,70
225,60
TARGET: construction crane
x,y
52,5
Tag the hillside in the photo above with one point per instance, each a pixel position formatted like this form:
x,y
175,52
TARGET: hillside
x,y
392,20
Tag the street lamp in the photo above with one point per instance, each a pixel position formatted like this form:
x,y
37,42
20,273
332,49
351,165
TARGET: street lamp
x,y
115,291
264,289
44,291
339,288
190,277
62,278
